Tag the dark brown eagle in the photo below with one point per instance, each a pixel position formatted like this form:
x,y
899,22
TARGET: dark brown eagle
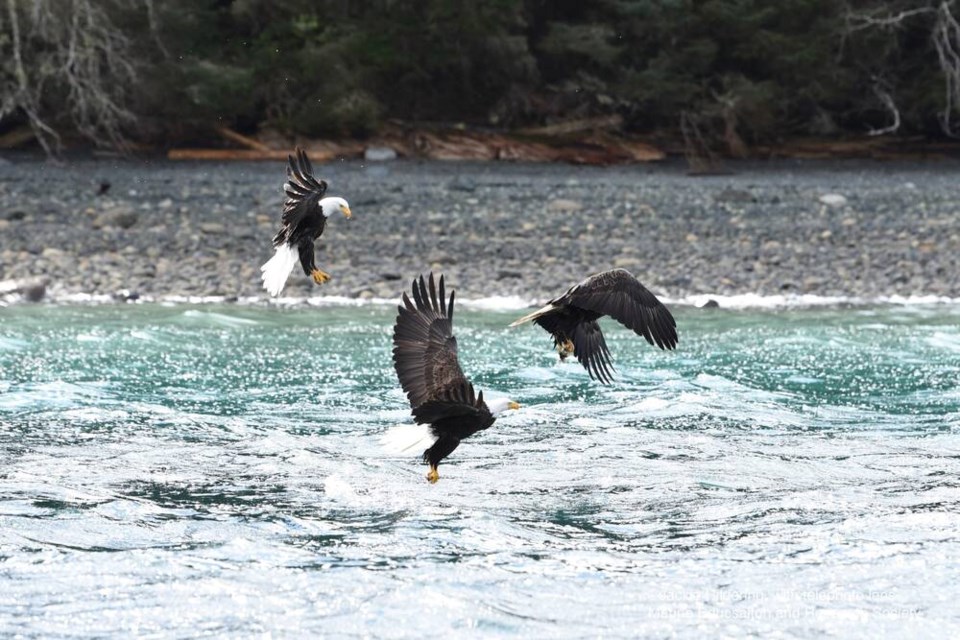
x,y
425,357
305,213
572,319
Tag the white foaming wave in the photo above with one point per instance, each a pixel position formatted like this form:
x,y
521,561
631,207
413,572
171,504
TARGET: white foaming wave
x,y
535,374
58,395
497,303
489,303
12,344
82,298
924,299
344,301
336,487
515,302
942,340
779,301
218,318
146,336
585,422
719,405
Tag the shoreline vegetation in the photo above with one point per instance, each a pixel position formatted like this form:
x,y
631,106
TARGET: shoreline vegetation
x,y
590,83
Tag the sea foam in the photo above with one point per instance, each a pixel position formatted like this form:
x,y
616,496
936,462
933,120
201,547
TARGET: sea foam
x,y
518,303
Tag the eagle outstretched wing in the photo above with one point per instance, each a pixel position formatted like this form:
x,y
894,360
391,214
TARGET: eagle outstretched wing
x,y
591,351
425,354
618,294
304,192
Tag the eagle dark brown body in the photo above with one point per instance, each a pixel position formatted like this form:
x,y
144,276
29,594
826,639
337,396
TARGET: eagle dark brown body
x,y
425,357
571,319
305,213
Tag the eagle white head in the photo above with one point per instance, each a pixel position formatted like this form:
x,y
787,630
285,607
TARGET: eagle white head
x,y
333,204
499,405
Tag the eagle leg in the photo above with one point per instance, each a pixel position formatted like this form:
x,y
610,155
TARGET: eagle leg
x,y
433,475
319,276
565,348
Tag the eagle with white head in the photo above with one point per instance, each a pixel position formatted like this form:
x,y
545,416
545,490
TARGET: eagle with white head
x,y
305,213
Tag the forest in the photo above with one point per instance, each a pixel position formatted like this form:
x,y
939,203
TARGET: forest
x,y
730,73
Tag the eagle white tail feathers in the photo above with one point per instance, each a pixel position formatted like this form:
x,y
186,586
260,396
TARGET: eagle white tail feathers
x,y
533,316
408,438
277,269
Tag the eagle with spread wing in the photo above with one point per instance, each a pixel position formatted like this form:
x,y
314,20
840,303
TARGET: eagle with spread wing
x,y
425,357
305,213
572,319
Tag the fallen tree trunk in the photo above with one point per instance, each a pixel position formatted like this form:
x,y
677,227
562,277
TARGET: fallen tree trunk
x,y
242,154
15,138
575,126
241,139
597,147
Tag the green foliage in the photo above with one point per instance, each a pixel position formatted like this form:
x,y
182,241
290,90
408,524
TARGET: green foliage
x,y
579,44
355,114
212,87
749,70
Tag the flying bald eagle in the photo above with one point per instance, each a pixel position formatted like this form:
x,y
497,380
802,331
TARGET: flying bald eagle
x,y
305,213
425,357
572,319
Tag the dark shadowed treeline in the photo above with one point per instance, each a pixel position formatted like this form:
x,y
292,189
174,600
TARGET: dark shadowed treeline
x,y
733,72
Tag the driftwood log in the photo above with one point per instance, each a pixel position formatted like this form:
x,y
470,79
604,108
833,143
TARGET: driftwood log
x,y
241,154
578,142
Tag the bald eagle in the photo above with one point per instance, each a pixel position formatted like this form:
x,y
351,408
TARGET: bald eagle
x,y
425,357
305,213
572,319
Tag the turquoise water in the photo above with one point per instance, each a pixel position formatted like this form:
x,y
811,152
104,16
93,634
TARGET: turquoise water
x,y
215,471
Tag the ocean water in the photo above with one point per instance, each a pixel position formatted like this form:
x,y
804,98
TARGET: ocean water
x,y
174,470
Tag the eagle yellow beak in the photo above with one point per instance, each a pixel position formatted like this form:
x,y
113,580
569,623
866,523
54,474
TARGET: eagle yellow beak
x,y
513,405
346,212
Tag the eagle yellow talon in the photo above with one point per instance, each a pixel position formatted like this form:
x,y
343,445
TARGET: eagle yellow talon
x,y
319,276
433,475
565,349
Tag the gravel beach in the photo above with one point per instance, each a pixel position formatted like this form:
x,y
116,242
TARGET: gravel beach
x,y
858,229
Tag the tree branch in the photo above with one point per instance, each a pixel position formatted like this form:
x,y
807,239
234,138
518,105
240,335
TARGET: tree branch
x,y
70,63
860,21
884,96
946,40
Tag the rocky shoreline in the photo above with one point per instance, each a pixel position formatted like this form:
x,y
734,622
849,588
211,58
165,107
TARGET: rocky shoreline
x,y
126,229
